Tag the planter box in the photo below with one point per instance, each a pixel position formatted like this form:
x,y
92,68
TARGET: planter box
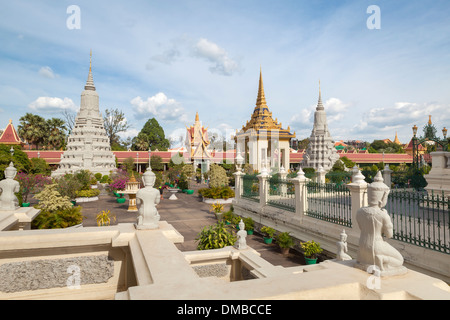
x,y
85,199
221,201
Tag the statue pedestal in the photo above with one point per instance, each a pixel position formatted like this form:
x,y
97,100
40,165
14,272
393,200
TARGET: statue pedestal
x,y
173,192
19,219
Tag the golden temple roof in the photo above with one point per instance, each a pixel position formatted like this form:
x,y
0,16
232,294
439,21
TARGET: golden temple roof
x,y
261,119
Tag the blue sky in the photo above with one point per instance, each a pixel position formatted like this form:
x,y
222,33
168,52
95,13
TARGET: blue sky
x,y
170,59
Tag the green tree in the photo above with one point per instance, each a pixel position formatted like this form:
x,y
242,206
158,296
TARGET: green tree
x,y
32,128
153,134
56,133
19,159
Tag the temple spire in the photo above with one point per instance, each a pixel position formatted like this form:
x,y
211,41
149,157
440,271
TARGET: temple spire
x,y
90,81
319,103
261,101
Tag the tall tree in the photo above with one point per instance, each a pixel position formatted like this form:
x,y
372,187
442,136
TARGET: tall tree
x,y
153,134
32,128
56,133
115,122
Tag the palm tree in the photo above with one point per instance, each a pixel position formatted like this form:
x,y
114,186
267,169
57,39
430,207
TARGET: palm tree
x,y
141,142
56,133
32,128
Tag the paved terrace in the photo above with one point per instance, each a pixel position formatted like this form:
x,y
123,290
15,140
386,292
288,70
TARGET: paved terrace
x,y
188,215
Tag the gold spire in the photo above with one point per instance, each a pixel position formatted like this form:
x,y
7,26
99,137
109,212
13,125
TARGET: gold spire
x,y
396,140
429,120
90,62
261,101
197,119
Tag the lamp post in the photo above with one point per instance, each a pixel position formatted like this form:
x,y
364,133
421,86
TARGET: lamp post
x,y
137,162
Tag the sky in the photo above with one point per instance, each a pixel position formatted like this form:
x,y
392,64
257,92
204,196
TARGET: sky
x,y
381,72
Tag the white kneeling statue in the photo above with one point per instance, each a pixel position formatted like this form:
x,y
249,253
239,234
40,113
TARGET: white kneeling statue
x,y
149,197
374,222
9,186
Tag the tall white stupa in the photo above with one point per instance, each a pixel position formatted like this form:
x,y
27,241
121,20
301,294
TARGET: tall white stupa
x,y
321,151
88,146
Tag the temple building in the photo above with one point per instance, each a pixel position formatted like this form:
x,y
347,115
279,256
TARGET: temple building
x,y
9,136
197,142
88,146
321,151
262,142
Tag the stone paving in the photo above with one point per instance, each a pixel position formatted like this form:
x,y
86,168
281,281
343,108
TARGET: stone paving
x,y
189,215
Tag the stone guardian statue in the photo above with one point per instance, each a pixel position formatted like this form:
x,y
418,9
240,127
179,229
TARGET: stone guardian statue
x,y
342,248
9,186
375,223
149,197
241,242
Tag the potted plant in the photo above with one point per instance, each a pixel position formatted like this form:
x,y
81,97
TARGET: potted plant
x,y
217,209
227,217
285,242
311,250
104,218
268,233
249,225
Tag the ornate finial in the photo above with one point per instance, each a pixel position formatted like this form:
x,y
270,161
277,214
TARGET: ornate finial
x,y
90,81
196,117
319,103
261,96
429,120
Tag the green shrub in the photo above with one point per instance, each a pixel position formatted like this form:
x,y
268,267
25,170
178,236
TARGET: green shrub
x,y
284,240
217,193
249,223
218,176
98,176
268,232
51,200
105,179
58,219
311,249
88,193
215,237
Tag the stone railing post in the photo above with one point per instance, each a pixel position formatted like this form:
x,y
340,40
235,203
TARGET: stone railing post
x,y
301,203
263,188
238,184
358,192
283,186
387,172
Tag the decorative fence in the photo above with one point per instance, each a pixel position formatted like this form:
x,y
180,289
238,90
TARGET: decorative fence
x,y
329,202
281,194
250,190
421,219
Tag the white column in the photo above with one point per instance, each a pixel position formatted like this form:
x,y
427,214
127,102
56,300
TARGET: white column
x,y
358,192
387,176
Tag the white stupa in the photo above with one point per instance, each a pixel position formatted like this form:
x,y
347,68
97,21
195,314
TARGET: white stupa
x,y
321,151
88,146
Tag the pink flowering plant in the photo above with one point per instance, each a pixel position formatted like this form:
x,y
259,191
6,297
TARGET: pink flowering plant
x,y
31,183
118,184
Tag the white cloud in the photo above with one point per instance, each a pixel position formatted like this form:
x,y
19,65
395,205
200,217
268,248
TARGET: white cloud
x,y
222,63
47,72
52,105
130,133
168,56
159,106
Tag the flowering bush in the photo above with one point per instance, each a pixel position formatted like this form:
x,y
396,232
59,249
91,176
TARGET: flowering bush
x,y
118,184
31,183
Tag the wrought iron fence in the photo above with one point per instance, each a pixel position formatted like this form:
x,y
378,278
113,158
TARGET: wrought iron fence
x,y
281,194
329,202
421,219
250,187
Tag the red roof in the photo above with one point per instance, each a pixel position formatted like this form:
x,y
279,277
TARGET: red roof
x,y
10,136
53,157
